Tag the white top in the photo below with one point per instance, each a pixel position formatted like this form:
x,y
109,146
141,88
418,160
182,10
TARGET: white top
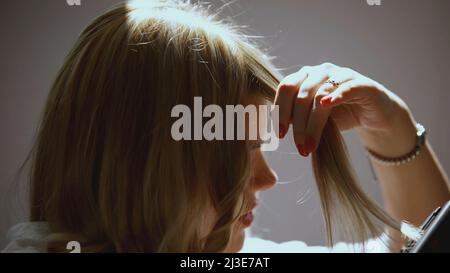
x,y
31,237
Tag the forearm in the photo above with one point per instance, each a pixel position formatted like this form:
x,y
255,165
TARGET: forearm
x,y
413,190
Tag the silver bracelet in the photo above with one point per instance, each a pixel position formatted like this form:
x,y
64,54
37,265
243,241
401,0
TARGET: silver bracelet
x,y
421,133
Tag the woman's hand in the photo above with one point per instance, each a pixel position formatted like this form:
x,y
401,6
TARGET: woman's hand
x,y
310,96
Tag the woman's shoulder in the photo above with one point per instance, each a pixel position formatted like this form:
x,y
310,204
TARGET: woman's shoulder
x,y
258,245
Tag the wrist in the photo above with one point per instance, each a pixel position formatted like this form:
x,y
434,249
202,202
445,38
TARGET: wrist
x,y
396,139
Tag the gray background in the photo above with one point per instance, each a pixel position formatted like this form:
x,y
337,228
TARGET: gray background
x,y
403,44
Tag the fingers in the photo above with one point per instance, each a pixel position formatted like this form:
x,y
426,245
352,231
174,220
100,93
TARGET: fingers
x,y
318,117
348,92
306,99
320,111
302,107
309,115
286,93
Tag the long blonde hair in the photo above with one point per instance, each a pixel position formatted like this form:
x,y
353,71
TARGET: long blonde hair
x,y
105,169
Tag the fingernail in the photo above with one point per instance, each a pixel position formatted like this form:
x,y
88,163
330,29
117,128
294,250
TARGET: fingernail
x,y
302,150
325,101
310,144
282,130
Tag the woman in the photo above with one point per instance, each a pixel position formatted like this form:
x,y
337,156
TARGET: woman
x,y
107,173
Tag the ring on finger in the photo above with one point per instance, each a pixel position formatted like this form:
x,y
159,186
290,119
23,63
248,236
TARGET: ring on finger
x,y
333,82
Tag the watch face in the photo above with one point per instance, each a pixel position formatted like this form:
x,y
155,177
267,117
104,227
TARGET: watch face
x,y
420,129
421,132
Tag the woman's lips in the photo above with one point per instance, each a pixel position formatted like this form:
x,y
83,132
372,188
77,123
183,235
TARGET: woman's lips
x,y
247,219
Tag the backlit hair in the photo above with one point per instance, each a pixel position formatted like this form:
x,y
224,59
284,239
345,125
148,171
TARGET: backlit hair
x,y
105,169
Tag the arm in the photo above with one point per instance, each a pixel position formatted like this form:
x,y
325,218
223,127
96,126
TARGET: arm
x,y
413,190
384,123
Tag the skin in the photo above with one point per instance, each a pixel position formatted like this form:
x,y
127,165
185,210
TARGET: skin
x,y
263,178
384,124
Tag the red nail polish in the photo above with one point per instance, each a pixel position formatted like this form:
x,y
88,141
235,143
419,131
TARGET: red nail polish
x,y
325,101
282,131
302,150
310,144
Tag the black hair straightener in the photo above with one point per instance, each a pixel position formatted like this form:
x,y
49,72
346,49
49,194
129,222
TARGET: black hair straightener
x,y
436,233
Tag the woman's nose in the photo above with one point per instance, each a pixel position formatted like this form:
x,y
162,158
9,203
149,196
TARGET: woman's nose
x,y
263,177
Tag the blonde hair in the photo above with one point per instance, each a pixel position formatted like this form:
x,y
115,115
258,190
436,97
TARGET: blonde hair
x,y
105,169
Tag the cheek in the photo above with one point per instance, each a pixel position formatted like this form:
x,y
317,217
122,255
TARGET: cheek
x,y
208,220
